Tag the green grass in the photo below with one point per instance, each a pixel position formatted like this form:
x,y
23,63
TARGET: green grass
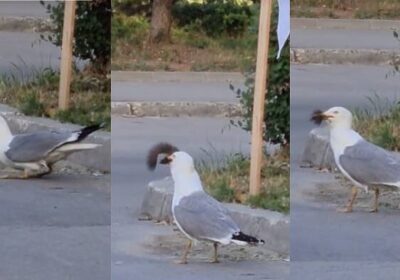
x,y
379,122
228,180
36,94
190,49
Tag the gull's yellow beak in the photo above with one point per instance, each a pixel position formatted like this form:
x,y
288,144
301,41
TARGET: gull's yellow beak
x,y
318,116
166,160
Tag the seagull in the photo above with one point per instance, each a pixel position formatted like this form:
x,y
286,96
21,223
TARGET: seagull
x,y
363,163
198,216
33,154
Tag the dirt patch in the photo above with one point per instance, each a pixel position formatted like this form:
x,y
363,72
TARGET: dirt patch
x,y
339,193
174,244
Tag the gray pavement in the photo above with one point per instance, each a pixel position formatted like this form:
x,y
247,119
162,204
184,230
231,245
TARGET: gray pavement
x,y
57,227
343,39
331,41
326,244
183,90
23,9
23,54
132,137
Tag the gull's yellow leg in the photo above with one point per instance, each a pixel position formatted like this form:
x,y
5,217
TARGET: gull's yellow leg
x,y
185,253
349,207
215,253
375,207
15,175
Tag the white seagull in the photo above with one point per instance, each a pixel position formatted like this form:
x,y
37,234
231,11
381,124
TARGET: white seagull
x,y
198,216
33,154
363,163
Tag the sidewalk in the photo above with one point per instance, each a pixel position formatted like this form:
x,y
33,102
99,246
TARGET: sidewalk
x,y
332,41
175,93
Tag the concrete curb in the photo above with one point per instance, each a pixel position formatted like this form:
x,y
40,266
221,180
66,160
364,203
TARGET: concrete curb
x,y
317,152
370,24
271,226
32,24
162,76
99,159
174,109
343,56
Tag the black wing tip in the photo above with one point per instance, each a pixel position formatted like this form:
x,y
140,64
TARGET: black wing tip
x,y
247,238
317,117
84,132
160,148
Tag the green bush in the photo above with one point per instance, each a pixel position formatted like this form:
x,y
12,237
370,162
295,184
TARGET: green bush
x,y
133,7
131,29
277,103
214,16
92,31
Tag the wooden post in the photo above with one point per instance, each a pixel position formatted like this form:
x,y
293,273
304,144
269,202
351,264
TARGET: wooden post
x,y
66,54
259,96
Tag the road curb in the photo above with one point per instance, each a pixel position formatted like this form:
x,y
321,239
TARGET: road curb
x,y
175,109
32,24
343,56
98,159
271,226
163,76
318,23
318,153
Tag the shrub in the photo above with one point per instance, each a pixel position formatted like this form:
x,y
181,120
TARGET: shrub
x,y
214,16
129,29
92,31
277,103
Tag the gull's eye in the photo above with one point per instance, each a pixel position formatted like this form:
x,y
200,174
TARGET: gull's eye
x,y
336,112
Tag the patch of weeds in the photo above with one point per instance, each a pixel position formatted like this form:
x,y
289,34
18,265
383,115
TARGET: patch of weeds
x,y
37,95
227,180
190,48
379,122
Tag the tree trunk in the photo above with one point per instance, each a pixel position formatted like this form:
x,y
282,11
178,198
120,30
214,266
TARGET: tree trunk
x,y
161,20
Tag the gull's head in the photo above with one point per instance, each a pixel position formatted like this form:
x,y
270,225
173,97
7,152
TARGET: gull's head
x,y
179,162
336,117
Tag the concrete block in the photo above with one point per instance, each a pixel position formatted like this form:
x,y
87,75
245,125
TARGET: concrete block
x,y
318,152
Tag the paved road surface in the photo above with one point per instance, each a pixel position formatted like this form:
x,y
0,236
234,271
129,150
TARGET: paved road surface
x,y
192,91
23,9
132,137
321,237
21,53
343,38
57,227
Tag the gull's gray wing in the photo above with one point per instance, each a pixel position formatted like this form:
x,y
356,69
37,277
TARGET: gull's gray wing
x,y
370,164
203,217
35,146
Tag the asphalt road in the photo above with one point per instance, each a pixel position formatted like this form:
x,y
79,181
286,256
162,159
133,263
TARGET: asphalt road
x,y
132,137
22,53
57,227
216,91
326,244
23,8
343,38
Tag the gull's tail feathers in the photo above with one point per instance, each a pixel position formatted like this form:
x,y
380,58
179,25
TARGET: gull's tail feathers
x,y
243,239
84,132
160,148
